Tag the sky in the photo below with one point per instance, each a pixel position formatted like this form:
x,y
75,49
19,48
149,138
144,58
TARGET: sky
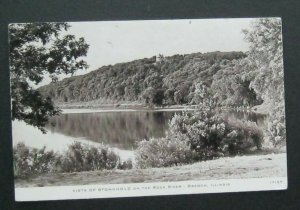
x,y
113,42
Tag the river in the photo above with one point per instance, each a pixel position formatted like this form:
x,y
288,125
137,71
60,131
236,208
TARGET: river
x,y
120,129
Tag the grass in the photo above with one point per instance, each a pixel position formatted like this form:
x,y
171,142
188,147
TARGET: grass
x,y
252,166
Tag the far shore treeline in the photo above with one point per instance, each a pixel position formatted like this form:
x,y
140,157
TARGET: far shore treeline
x,y
160,81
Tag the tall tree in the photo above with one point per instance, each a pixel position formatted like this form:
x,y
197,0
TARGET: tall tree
x,y
37,50
266,59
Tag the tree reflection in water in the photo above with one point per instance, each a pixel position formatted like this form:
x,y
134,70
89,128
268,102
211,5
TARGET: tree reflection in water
x,y
118,129
123,129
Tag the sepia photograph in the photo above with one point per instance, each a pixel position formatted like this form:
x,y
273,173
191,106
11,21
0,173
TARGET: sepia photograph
x,y
147,107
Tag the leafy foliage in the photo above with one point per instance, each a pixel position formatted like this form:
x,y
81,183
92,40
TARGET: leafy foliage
x,y
36,50
82,157
196,136
78,157
231,86
211,136
32,161
153,81
244,136
267,80
162,152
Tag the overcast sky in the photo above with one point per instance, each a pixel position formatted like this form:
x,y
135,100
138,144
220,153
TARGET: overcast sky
x,y
121,41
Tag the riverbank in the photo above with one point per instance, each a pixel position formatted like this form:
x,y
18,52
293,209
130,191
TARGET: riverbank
x,y
239,167
133,105
116,105
99,110
123,108
134,108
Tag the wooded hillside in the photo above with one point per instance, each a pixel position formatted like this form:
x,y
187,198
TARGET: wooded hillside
x,y
161,81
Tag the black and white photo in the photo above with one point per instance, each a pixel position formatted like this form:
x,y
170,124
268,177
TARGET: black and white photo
x,y
149,107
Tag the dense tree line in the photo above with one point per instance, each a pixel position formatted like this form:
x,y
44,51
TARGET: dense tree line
x,y
160,81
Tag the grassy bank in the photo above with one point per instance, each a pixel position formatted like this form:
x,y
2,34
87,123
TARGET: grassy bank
x,y
253,166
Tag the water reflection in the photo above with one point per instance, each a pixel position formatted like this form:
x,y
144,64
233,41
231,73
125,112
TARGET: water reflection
x,y
119,129
123,129
259,119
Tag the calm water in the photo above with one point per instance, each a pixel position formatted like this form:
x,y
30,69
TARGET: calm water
x,y
118,129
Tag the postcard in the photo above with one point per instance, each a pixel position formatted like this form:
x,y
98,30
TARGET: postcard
x,y
108,109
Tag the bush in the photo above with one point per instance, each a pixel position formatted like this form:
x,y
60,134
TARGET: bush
x,y
125,165
196,136
32,161
78,157
162,152
276,131
201,130
84,157
244,136
211,136
205,135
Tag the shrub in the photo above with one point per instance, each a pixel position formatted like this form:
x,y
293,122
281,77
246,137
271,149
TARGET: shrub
x,y
84,157
276,131
32,161
244,136
201,130
205,136
78,157
198,135
125,165
162,152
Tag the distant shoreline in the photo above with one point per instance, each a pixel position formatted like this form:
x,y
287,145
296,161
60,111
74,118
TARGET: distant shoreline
x,y
121,106
68,109
114,109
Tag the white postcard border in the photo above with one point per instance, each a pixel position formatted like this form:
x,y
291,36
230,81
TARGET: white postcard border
x,y
149,189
